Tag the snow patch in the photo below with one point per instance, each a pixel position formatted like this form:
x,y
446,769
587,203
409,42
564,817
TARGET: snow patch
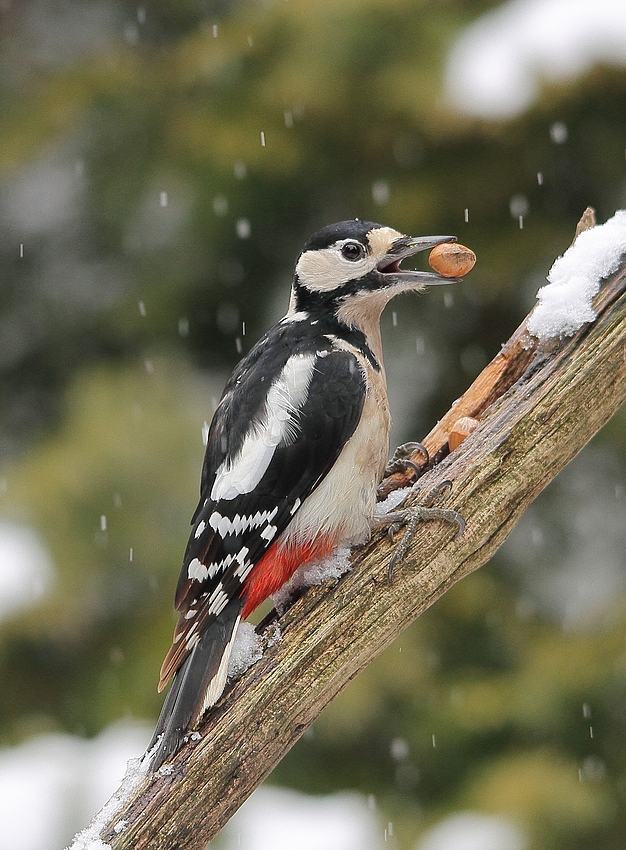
x,y
89,838
500,61
281,819
247,650
312,573
26,571
89,844
51,784
474,831
393,500
565,305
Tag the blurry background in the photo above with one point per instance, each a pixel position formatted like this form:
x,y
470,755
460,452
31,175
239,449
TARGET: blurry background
x,y
160,167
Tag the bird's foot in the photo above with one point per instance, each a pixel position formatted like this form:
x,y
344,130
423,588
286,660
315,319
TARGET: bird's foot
x,y
411,517
401,461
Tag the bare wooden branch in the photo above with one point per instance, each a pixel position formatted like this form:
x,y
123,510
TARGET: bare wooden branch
x,y
537,407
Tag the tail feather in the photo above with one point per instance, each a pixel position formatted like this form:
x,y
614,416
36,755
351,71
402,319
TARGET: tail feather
x,y
197,685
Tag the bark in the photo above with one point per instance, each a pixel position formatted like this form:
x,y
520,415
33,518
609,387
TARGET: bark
x,y
537,406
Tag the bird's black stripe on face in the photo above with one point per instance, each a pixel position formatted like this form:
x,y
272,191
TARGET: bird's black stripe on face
x,y
368,283
322,307
358,340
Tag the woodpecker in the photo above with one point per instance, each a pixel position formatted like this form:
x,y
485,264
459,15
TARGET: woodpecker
x,y
295,451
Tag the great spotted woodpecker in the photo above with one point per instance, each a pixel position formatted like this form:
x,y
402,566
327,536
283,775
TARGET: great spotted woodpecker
x,y
295,451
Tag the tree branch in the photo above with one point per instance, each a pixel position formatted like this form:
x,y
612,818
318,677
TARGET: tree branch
x,y
537,406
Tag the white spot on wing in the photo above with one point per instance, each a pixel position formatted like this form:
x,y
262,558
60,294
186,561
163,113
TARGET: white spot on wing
x,y
269,532
221,566
191,642
217,600
242,571
278,425
200,529
197,570
225,526
240,557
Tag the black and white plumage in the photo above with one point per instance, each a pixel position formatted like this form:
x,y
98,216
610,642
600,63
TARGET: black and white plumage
x,y
295,451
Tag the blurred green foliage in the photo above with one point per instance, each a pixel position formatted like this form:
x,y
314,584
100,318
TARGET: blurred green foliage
x,y
154,225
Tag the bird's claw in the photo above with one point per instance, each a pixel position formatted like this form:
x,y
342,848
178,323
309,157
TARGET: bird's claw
x,y
411,518
393,529
401,461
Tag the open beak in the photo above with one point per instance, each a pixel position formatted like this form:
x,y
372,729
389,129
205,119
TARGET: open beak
x,y
406,246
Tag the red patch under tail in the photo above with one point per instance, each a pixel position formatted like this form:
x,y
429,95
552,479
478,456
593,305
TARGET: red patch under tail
x,y
277,566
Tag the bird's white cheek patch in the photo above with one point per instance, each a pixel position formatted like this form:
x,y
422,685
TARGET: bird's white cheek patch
x,y
326,269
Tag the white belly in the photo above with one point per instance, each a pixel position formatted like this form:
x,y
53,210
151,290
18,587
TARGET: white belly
x,y
342,506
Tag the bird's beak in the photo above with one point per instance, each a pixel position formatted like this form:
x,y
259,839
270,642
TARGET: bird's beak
x,y
406,246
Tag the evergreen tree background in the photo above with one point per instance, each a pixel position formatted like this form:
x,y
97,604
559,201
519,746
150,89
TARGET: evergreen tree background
x,y
160,168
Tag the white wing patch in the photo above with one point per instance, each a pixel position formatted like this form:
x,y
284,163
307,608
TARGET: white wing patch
x,y
200,572
235,526
278,425
217,600
197,570
294,317
269,532
242,571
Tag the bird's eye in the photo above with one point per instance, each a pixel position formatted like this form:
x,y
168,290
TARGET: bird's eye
x,y
352,251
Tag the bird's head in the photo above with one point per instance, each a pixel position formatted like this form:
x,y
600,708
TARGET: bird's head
x,y
355,265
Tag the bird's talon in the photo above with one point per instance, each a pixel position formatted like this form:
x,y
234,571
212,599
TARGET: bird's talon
x,y
400,460
393,529
411,518
392,564
409,464
461,523
432,495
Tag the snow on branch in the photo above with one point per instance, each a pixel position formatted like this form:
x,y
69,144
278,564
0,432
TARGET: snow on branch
x,y
566,303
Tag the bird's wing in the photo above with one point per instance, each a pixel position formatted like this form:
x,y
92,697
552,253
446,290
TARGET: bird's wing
x,y
256,478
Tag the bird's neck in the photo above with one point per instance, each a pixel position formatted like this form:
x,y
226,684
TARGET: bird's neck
x,y
354,318
362,313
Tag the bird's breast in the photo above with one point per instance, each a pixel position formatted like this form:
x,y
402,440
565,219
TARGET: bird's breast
x,y
342,505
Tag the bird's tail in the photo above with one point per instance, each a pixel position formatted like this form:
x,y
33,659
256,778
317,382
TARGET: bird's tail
x,y
197,685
